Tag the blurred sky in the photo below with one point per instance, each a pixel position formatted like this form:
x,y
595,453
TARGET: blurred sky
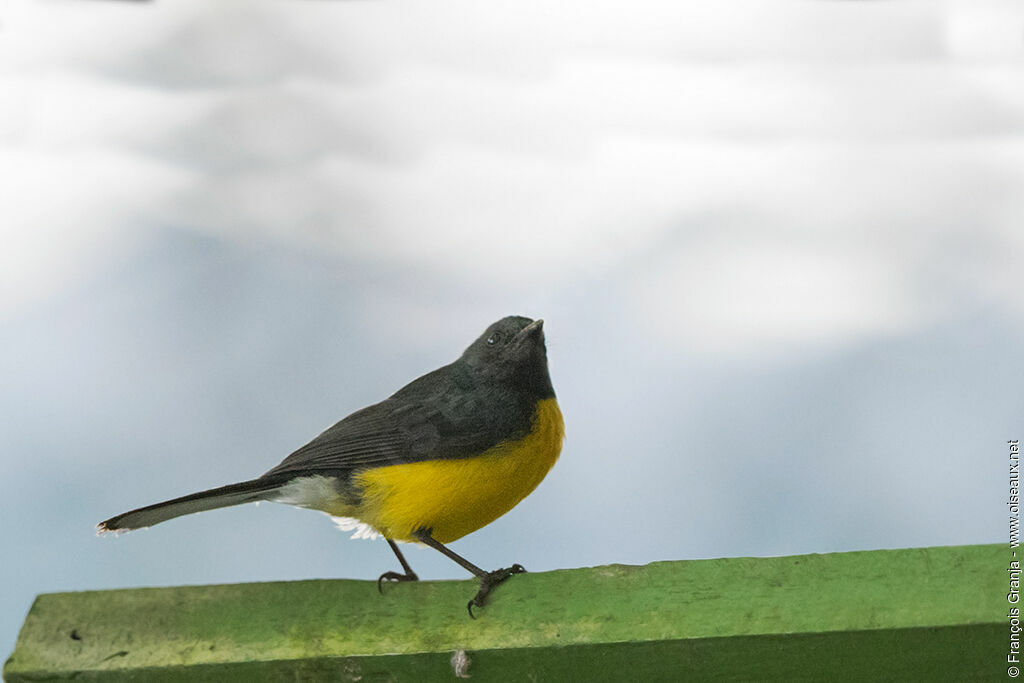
x,y
776,245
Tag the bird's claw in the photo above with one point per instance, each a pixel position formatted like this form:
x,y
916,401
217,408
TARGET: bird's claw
x,y
488,581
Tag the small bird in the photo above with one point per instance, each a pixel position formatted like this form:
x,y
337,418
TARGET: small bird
x,y
445,455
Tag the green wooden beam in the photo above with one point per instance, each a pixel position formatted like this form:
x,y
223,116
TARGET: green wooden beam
x,y
924,613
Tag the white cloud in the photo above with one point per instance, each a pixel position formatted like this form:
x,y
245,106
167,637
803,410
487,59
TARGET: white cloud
x,y
754,297
550,146
984,29
64,215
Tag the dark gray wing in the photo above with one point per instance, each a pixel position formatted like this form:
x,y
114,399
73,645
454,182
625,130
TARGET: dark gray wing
x,y
435,417
371,437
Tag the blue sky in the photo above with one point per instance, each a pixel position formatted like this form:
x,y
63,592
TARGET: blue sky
x,y
776,246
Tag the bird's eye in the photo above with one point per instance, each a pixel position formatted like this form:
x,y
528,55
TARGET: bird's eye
x,y
493,339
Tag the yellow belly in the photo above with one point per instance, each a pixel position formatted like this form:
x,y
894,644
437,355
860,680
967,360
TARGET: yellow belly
x,y
457,497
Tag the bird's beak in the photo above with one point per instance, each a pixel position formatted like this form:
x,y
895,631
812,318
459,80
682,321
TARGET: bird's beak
x,y
536,327
530,334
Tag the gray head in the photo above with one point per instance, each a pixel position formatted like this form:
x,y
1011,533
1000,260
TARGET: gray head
x,y
512,351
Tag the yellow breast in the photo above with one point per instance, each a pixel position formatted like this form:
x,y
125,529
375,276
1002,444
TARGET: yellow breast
x,y
457,497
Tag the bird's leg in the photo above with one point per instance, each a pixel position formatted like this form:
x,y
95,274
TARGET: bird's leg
x,y
409,574
488,580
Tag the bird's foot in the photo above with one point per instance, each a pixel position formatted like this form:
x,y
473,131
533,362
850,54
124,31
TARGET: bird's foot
x,y
395,576
488,581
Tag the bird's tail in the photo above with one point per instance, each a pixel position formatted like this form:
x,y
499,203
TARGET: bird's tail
x,y
225,496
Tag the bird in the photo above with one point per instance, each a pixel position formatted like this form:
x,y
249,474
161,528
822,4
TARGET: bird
x,y
440,458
